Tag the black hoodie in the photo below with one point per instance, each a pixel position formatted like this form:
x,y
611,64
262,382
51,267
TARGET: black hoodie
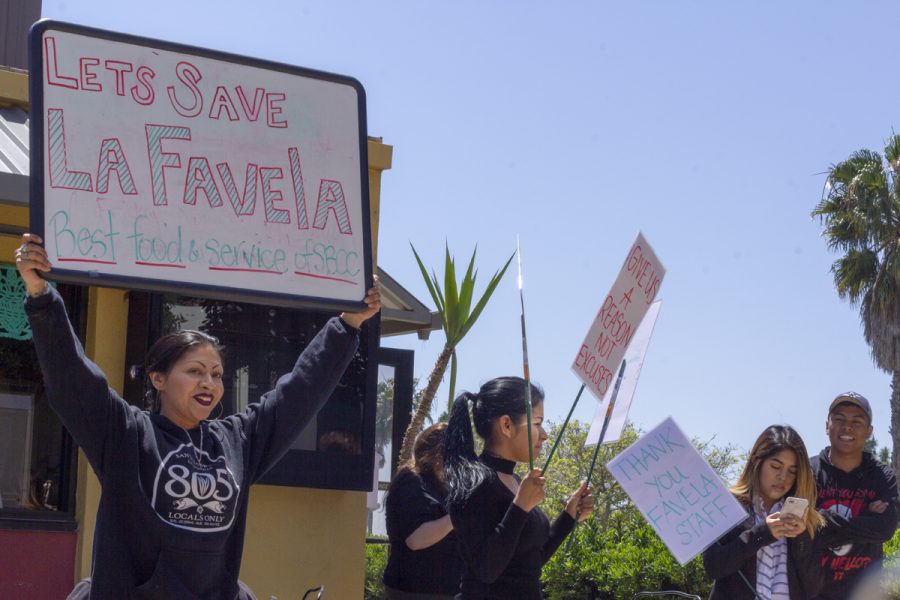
x,y
853,535
173,503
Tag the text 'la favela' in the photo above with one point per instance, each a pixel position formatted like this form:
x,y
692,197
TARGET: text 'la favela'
x,y
167,146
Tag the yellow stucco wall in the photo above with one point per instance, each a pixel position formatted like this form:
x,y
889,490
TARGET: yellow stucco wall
x,y
107,328
300,538
380,159
16,216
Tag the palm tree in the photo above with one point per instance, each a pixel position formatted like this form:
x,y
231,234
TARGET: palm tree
x,y
860,213
454,305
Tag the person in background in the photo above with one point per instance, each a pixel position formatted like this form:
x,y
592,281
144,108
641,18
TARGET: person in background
x,y
857,496
424,561
174,481
504,537
770,555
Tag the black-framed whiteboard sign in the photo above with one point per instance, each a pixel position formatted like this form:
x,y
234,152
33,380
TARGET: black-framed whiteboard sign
x,y
166,167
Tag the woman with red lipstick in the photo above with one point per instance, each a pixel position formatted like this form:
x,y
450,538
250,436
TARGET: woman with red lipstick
x,y
504,537
174,484
770,555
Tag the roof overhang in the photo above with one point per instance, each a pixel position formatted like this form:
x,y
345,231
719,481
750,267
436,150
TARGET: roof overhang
x,y
401,312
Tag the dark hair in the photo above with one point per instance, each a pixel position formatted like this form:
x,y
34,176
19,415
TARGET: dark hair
x,y
165,352
428,457
428,452
496,398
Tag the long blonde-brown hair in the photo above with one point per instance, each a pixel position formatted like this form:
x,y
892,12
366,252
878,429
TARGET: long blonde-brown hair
x,y
770,442
427,460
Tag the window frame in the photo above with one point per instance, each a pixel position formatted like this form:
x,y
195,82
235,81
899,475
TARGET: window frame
x,y
403,362
64,518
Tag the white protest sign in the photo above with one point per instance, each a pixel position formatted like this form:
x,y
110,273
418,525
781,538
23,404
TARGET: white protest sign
x,y
157,165
676,490
634,360
615,325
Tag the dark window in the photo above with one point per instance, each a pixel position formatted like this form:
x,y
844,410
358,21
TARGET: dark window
x,y
37,466
395,401
262,343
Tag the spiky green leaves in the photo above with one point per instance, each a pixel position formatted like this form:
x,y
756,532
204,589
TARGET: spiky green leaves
x,y
454,300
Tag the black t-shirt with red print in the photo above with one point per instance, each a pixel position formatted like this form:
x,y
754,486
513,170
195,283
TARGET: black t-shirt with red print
x,y
853,537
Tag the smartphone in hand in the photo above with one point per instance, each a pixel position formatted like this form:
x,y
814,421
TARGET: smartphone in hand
x,y
795,506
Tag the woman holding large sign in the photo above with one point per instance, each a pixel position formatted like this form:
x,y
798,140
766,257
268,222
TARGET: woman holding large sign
x,y
173,506
771,554
504,537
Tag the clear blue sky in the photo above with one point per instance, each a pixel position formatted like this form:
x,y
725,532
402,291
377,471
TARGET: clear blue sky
x,y
705,124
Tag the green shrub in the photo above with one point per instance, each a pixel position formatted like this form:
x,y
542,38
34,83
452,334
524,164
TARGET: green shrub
x,y
891,583
617,562
376,561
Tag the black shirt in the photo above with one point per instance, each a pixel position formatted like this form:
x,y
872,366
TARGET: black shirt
x,y
731,563
853,535
503,546
411,502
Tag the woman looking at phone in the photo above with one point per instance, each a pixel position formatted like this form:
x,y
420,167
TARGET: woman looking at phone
x,y
771,555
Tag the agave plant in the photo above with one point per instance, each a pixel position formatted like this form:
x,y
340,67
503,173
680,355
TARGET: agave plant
x,y
454,305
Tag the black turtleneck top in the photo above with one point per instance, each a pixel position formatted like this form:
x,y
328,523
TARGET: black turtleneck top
x,y
503,546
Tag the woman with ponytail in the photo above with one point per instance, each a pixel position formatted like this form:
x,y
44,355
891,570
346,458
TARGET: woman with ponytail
x,y
504,537
771,554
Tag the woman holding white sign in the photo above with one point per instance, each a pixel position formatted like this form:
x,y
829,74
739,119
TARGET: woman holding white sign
x,y
504,537
771,555
173,505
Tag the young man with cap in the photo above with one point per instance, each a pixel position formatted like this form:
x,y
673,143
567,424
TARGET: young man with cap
x,y
856,494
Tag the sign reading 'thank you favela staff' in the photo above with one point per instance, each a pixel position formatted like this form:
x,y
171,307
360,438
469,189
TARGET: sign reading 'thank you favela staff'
x,y
624,307
162,166
676,490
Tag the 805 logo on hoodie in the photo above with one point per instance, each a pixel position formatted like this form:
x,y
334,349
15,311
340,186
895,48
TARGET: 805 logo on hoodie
x,y
194,491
